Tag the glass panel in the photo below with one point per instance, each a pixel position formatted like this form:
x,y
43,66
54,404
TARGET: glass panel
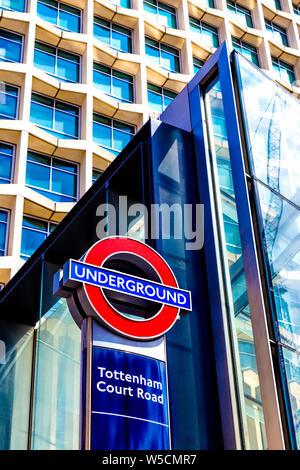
x,y
292,370
120,139
102,135
66,124
122,89
64,183
16,5
68,70
47,12
102,81
15,385
41,115
44,61
241,329
56,423
102,32
155,101
10,46
8,102
120,41
69,21
6,155
37,175
31,240
274,147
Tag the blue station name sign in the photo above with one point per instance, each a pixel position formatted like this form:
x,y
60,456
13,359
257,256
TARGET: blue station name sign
x,y
77,271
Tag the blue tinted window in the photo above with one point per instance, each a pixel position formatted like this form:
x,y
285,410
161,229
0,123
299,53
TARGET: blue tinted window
x,y
116,36
165,56
8,101
96,175
16,5
276,32
10,46
162,13
246,49
283,70
61,64
209,34
240,12
6,163
34,232
122,3
197,64
3,231
59,118
52,177
159,98
111,134
113,83
60,14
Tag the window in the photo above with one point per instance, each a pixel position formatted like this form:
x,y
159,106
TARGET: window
x,y
296,10
165,56
3,231
6,163
241,12
246,49
275,4
210,3
8,101
11,45
162,13
111,134
60,14
122,3
15,5
56,62
34,232
57,117
209,34
115,36
283,70
159,98
117,84
96,175
52,177
276,32
197,64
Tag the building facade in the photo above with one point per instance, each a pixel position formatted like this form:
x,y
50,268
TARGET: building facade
x,y
80,78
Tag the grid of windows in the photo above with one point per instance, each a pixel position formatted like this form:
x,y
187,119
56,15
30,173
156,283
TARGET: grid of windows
x,y
11,46
34,232
276,32
283,70
161,54
60,64
162,13
15,5
114,35
64,16
197,64
57,117
242,13
117,84
209,34
52,177
6,163
159,98
246,49
111,134
9,95
3,231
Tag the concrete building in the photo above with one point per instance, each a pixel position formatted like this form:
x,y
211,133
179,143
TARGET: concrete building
x,y
79,78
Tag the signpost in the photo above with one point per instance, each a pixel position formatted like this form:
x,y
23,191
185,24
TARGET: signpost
x,y
125,297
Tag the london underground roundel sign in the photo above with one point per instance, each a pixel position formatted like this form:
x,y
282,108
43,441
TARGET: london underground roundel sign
x,y
127,286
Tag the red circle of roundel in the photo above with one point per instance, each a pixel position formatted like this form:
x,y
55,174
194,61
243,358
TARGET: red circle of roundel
x,y
144,330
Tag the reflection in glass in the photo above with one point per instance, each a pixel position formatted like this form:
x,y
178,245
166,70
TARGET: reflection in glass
x,y
245,360
56,423
292,368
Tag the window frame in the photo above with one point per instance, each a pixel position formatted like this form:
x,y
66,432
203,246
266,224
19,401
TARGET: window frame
x,y
59,3
22,46
34,230
13,157
47,106
9,9
7,223
34,188
281,64
159,48
18,103
200,24
273,27
111,82
196,58
162,95
57,49
159,8
98,171
235,7
110,29
245,45
111,127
